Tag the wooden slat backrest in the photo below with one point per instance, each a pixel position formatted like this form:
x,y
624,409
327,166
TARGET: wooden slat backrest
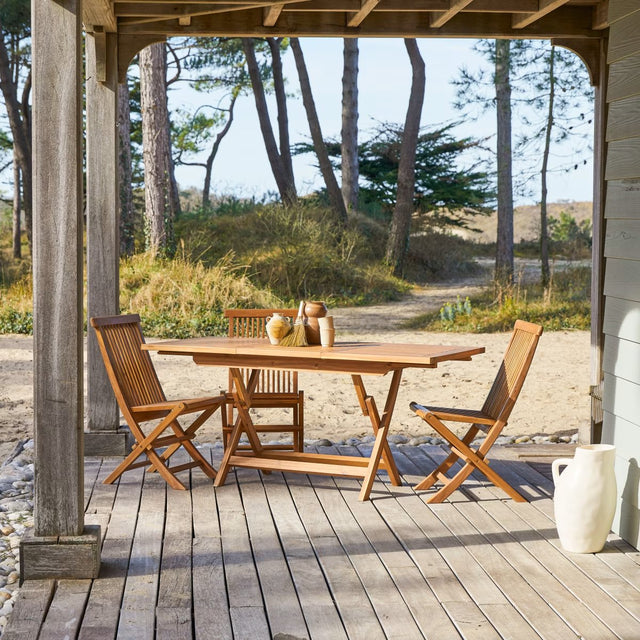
x,y
129,367
513,370
252,323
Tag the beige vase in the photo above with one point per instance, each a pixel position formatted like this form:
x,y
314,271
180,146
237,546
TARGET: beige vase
x,y
585,496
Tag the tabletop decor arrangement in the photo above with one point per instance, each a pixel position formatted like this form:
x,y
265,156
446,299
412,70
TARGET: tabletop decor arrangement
x,y
297,336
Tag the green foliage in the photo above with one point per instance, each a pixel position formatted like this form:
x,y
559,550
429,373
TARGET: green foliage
x,y
14,321
563,305
570,238
452,310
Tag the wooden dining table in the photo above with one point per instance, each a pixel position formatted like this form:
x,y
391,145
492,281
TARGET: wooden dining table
x,y
354,358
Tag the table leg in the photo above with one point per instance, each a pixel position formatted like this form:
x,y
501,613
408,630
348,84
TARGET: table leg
x,y
380,429
243,394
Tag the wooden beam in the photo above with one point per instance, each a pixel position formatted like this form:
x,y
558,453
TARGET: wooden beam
x,y
572,21
99,12
601,15
521,20
366,7
57,269
100,53
271,14
178,10
455,6
129,46
184,21
102,215
589,51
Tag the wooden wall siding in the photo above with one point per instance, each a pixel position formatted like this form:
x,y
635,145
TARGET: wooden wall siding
x,y
619,9
624,119
623,159
624,78
622,318
623,199
623,36
622,359
622,279
622,239
621,323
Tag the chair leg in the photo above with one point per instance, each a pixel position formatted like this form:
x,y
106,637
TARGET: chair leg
x,y
451,484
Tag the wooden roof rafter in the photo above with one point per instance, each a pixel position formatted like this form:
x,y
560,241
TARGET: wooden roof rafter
x,y
521,20
366,7
437,21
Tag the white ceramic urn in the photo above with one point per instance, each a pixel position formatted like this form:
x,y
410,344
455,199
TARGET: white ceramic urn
x,y
277,328
584,501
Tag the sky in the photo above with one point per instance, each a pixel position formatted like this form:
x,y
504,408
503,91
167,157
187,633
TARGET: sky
x,y
242,168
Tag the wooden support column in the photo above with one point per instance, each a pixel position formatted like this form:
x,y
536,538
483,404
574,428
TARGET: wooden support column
x,y
103,436
597,248
60,545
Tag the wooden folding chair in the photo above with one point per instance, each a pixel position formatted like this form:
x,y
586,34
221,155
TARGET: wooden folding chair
x,y
141,398
491,419
275,388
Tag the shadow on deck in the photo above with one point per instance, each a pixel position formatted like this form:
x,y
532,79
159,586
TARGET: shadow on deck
x,y
294,556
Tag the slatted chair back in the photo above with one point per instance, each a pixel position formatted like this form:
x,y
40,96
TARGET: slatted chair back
x,y
131,372
275,388
513,371
491,419
252,323
141,399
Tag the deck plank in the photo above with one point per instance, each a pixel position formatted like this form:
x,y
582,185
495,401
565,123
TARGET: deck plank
x,y
295,556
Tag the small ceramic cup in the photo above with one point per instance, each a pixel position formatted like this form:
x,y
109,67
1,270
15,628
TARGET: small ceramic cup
x,y
327,337
325,323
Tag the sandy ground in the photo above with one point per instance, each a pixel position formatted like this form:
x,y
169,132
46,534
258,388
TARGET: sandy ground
x,y
554,399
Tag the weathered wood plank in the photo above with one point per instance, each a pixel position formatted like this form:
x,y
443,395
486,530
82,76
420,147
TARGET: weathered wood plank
x,y
623,120
356,611
623,159
624,78
66,609
622,279
624,36
278,591
623,239
316,600
623,199
29,610
243,586
137,617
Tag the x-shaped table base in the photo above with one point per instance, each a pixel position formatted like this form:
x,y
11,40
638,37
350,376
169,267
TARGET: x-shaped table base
x,y
347,466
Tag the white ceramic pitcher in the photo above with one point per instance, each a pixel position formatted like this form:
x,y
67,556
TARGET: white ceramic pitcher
x,y
584,501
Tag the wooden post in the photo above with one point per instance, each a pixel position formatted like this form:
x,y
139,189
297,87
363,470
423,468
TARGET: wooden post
x,y
103,436
597,248
60,546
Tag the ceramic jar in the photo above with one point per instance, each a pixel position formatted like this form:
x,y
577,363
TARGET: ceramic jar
x,y
277,328
585,496
314,310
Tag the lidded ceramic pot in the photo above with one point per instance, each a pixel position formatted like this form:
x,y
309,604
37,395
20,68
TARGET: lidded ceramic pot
x,y
313,310
277,328
585,497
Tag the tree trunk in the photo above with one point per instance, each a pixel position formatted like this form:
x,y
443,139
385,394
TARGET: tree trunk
x,y
206,189
504,241
20,131
285,184
17,247
333,190
281,103
398,242
156,150
544,232
349,134
127,216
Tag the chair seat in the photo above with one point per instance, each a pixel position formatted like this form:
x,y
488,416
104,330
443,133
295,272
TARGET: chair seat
x,y
491,420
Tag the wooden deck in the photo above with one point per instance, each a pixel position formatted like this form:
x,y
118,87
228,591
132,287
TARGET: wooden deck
x,y
295,556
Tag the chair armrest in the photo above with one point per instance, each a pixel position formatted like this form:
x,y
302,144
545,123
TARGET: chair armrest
x,y
190,404
453,415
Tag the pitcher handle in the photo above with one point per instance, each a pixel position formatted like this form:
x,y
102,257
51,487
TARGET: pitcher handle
x,y
555,467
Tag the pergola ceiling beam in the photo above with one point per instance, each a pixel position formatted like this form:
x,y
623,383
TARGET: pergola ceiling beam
x,y
139,10
99,12
521,20
271,14
455,6
366,7
565,22
601,15
395,6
